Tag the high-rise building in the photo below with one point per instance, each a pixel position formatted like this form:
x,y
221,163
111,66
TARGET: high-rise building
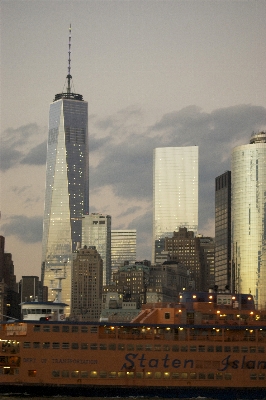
x,y
66,192
249,217
96,231
223,230
123,247
87,283
175,192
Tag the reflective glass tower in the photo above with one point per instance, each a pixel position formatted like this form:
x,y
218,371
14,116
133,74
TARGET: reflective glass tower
x,y
249,218
175,192
66,191
123,247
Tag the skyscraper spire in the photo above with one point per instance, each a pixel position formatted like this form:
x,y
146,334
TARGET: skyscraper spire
x,y
68,92
69,77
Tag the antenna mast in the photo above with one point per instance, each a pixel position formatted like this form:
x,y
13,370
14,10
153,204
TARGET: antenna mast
x,y
69,77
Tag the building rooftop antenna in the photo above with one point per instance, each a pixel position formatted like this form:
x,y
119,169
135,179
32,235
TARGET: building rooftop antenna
x,y
69,77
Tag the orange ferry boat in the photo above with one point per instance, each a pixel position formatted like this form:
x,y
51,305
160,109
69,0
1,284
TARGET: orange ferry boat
x,y
207,344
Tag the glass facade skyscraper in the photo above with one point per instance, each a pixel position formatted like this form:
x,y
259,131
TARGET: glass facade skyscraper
x,y
175,192
66,191
223,231
249,218
96,231
123,247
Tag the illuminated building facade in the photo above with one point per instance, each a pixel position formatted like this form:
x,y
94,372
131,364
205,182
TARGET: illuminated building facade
x,y
175,192
123,247
249,217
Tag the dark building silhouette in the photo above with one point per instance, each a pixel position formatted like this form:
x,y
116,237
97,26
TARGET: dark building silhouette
x,y
223,231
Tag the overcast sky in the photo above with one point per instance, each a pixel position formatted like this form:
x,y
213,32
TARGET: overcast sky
x,y
155,73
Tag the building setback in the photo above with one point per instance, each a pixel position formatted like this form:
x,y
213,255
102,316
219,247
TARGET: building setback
x,y
87,285
223,231
249,217
66,191
175,192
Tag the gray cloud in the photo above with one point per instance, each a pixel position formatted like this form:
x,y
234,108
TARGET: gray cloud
x,y
26,229
8,157
129,211
143,224
37,155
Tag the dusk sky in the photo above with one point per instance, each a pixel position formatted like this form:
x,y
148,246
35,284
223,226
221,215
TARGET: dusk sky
x,y
155,73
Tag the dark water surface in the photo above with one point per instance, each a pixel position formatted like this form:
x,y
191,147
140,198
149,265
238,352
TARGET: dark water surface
x,y
16,396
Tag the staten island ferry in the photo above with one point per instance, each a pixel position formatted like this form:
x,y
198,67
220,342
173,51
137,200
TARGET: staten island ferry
x,y
206,344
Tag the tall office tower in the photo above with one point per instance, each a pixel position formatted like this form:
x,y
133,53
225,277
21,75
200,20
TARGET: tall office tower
x,y
249,217
175,192
123,247
223,230
66,192
87,283
96,231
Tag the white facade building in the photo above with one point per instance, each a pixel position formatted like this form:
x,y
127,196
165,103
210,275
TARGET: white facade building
x,y
123,247
249,218
175,192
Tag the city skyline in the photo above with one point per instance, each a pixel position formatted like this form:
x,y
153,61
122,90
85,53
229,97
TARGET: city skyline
x,y
197,80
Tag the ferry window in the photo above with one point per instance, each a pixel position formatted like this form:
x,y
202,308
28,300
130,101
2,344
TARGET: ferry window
x,y
65,328
166,347
121,346
210,376
148,375
112,346
38,311
244,349
166,375
193,348
46,328
157,375
112,374
36,345
148,347
103,374
261,376
157,347
32,372
49,311
183,348
219,349
130,347
167,315
235,349
183,375
202,376
193,375
56,345
175,348
94,329
61,311
55,374
84,374
93,346
84,329
252,349
56,328
175,375
65,345
130,374
26,345
37,328
46,345
75,328
227,349
103,346
74,374
219,375
139,375
201,348
75,346
227,376
93,374
65,374
139,347
253,377
121,374
84,346
260,349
